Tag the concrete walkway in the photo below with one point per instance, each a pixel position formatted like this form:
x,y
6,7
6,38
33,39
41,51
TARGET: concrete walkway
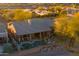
x,y
1,49
60,51
55,52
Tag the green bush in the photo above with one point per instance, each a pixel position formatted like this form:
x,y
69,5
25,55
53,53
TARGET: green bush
x,y
36,43
33,44
26,46
8,48
43,42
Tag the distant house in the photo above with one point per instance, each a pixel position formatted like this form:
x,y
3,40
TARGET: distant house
x,y
71,10
41,12
38,29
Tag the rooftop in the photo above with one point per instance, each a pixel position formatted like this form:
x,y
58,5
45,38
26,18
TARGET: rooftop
x,y
37,25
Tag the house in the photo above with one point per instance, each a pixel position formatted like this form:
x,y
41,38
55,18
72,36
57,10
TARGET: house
x,y
71,10
3,33
42,13
38,29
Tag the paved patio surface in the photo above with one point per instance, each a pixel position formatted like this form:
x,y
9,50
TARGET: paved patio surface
x,y
59,51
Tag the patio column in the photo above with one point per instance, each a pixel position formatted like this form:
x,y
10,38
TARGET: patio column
x,y
43,35
27,37
30,36
48,33
40,36
22,38
19,38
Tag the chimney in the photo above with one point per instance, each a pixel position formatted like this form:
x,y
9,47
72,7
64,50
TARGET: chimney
x,y
29,21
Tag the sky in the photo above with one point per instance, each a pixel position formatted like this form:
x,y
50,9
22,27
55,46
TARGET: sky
x,y
39,1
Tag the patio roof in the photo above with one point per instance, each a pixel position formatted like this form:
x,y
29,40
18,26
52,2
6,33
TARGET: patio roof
x,y
37,25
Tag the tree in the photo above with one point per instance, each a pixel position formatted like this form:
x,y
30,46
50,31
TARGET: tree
x,y
16,14
20,14
60,24
68,26
40,8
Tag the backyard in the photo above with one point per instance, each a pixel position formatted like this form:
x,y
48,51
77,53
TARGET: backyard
x,y
39,29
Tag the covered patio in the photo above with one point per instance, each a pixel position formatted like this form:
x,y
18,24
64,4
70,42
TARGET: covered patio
x,y
38,29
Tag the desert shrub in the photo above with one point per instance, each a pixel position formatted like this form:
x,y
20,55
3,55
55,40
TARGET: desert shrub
x,y
8,48
26,46
43,42
36,43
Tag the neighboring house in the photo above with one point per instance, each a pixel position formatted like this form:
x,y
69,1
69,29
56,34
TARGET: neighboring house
x,y
38,29
42,12
3,33
72,10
